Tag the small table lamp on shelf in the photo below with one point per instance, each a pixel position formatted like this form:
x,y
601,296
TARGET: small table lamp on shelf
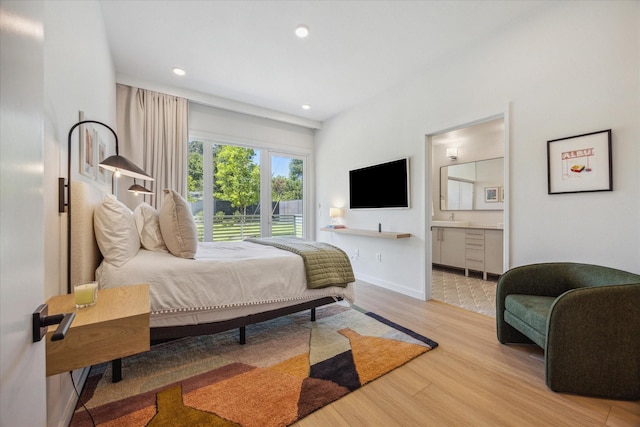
x,y
335,214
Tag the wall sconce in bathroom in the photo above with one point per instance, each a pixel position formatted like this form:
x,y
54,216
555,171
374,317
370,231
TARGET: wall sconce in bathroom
x,y
452,153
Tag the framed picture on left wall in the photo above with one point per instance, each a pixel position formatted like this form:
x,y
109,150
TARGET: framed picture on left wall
x,y
101,153
87,149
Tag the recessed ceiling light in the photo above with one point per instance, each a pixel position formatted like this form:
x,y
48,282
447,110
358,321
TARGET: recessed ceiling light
x,y
302,31
179,71
306,107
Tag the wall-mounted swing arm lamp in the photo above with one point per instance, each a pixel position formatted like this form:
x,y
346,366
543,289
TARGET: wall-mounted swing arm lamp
x,y
117,164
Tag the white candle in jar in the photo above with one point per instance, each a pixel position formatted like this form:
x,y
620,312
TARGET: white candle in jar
x,y
85,294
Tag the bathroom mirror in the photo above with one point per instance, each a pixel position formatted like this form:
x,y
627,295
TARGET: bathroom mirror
x,y
473,186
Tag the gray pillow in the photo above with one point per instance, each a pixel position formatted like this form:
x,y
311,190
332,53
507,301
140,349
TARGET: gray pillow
x,y
177,225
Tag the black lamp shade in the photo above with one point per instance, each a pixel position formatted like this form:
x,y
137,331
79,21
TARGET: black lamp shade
x,y
117,163
137,188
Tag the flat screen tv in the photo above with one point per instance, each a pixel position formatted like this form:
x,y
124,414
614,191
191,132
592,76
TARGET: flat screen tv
x,y
385,185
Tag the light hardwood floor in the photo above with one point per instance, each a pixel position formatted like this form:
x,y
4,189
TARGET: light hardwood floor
x,y
470,379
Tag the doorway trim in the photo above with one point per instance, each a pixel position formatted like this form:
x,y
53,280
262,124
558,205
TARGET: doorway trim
x,y
503,113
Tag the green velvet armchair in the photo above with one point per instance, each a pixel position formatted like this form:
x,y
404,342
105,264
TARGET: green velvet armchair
x,y
585,317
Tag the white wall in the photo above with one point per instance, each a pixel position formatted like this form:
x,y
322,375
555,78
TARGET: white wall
x,y
367,135
572,69
79,76
220,124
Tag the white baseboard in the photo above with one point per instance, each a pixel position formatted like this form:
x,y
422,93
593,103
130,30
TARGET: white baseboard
x,y
391,286
79,377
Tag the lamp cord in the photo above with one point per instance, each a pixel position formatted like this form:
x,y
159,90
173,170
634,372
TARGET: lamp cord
x,y
93,422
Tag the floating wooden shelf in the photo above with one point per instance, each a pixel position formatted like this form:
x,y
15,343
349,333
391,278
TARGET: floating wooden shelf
x,y
369,233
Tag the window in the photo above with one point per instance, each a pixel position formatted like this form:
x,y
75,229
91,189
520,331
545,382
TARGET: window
x,y
228,186
287,207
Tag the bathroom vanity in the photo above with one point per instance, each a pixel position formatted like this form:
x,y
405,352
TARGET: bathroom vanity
x,y
468,247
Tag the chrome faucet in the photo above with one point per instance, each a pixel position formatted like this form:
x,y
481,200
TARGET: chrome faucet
x,y
451,216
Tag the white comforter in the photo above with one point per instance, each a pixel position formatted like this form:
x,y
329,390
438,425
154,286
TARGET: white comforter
x,y
223,276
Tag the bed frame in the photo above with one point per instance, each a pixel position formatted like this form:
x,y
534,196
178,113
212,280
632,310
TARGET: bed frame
x,y
167,333
85,257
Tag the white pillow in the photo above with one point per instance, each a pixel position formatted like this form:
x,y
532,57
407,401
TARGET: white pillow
x,y
115,230
147,222
177,225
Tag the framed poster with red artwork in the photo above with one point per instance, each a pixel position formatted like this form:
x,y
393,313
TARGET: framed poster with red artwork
x,y
580,163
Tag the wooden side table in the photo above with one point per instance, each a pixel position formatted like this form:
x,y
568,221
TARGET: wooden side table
x,y
117,326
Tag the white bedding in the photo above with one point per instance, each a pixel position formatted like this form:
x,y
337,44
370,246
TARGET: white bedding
x,y
226,280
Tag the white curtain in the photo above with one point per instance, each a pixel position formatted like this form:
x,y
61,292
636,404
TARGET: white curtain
x,y
153,133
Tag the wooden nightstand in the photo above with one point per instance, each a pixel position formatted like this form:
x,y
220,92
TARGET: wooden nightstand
x,y
117,326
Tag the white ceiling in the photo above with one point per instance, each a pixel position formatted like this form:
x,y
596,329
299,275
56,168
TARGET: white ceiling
x,y
246,51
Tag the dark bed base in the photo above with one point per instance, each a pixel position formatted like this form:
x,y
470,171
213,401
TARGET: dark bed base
x,y
161,334
168,333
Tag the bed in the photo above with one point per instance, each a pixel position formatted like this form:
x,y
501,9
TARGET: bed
x,y
227,285
233,282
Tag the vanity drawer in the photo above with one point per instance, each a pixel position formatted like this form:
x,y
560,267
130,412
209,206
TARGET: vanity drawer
x,y
474,245
472,242
474,265
474,250
474,237
474,255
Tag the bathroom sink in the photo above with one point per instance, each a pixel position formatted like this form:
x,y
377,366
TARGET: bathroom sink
x,y
449,223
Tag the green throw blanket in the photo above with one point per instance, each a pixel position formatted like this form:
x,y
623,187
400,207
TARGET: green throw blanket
x,y
325,264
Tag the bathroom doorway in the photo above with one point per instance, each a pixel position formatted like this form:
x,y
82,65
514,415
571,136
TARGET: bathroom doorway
x,y
467,190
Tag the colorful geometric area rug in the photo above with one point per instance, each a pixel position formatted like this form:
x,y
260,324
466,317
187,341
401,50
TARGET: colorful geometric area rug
x,y
289,368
